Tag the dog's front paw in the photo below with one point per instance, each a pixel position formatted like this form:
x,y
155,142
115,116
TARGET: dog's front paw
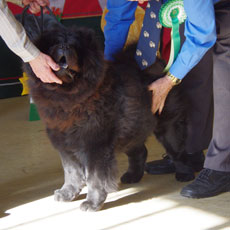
x,y
129,178
64,195
90,206
184,177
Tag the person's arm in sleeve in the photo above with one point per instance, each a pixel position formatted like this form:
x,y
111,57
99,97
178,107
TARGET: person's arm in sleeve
x,y
14,35
200,32
118,20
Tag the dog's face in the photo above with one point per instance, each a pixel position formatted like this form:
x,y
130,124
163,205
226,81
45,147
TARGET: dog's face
x,y
67,56
78,55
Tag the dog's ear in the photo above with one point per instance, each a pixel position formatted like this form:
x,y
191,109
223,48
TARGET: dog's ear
x,y
86,35
89,36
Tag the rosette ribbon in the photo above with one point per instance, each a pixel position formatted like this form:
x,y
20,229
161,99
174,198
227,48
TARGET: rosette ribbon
x,y
171,15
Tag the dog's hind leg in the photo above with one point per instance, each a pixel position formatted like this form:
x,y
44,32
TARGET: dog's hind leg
x,y
137,158
73,178
173,140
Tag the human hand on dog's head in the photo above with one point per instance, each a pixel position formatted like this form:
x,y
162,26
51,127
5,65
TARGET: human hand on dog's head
x,y
160,89
35,5
42,67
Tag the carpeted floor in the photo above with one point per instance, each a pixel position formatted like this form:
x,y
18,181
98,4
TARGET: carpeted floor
x,y
30,170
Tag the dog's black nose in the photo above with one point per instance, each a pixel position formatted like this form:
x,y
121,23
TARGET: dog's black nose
x,y
65,56
63,63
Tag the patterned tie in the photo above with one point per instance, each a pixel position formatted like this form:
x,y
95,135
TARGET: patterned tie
x,y
150,35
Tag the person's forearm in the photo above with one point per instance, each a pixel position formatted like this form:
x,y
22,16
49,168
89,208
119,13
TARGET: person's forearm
x,y
118,20
200,33
14,35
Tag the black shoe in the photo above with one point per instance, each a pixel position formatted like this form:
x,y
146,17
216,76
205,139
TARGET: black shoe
x,y
208,183
163,166
166,165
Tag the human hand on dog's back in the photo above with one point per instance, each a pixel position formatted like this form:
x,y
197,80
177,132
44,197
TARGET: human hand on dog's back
x,y
160,89
42,66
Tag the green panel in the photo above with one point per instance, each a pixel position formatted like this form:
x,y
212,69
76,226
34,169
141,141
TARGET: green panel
x,y
34,116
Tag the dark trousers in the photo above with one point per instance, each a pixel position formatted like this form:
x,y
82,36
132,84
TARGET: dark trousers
x,y
198,88
218,155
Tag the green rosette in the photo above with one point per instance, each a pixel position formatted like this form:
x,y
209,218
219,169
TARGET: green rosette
x,y
171,15
170,10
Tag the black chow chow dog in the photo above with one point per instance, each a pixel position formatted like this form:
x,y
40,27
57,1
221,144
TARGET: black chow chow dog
x,y
100,109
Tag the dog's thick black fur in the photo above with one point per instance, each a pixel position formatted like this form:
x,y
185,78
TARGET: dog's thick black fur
x,y
100,109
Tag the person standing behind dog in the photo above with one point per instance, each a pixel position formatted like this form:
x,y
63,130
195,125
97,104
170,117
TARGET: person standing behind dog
x,y
214,179
14,35
197,85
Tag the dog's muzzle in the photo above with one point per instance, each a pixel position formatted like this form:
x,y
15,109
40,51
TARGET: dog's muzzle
x,y
66,58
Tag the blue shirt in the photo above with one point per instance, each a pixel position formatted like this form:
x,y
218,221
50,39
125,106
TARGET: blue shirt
x,y
200,31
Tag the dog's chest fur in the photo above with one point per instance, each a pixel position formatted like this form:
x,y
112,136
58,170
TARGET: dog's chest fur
x,y
114,113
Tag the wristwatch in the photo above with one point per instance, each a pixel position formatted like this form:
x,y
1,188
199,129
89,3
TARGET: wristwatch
x,y
174,79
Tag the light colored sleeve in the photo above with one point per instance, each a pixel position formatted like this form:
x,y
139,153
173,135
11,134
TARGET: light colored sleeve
x,y
14,35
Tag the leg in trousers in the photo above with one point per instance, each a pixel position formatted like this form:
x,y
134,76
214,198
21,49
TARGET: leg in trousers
x,y
214,179
218,155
